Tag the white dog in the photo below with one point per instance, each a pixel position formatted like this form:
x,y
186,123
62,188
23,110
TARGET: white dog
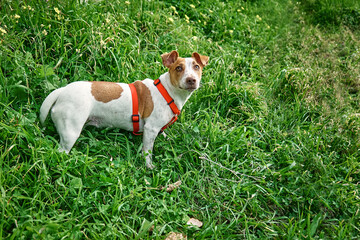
x,y
144,106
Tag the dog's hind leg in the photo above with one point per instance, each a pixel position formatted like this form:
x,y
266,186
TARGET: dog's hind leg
x,y
69,124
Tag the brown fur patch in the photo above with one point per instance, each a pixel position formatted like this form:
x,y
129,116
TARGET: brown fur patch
x,y
146,104
169,58
200,59
106,91
175,72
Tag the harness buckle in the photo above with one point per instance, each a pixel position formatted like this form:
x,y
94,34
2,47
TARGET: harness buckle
x,y
135,118
157,82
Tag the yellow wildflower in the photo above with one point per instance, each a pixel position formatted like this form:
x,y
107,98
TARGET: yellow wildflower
x,y
187,19
258,17
231,31
16,16
171,19
3,31
57,10
192,5
173,8
127,2
44,32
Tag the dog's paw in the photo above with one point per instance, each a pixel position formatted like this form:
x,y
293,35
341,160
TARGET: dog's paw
x,y
63,150
150,165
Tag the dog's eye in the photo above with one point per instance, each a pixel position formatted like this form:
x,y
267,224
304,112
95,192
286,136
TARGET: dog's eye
x,y
196,67
179,68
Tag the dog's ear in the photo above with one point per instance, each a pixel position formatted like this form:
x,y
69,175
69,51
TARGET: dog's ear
x,y
169,58
200,59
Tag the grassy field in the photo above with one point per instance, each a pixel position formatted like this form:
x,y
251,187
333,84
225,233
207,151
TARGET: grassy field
x,y
268,147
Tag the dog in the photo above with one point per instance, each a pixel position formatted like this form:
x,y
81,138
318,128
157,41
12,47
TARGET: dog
x,y
141,107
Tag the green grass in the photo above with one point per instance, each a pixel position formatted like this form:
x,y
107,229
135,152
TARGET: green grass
x,y
268,147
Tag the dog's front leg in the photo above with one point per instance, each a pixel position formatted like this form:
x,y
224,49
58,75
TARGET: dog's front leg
x,y
148,142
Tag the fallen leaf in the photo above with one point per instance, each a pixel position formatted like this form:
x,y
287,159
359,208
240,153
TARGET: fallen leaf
x,y
194,222
176,236
152,228
171,187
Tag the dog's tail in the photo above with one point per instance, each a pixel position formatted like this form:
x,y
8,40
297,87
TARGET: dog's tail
x,y
48,103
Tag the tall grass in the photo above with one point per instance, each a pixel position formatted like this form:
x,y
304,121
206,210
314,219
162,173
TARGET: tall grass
x,y
266,148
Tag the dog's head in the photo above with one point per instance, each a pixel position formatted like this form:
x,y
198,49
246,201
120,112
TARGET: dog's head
x,y
185,73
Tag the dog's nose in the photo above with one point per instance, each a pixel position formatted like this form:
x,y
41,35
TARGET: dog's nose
x,y
190,81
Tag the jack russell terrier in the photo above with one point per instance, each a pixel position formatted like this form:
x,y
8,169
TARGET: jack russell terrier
x,y
146,106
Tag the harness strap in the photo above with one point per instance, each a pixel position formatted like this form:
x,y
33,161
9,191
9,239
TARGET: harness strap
x,y
167,97
135,117
172,121
170,102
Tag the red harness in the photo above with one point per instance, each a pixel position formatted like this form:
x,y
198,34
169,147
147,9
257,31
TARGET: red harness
x,y
135,117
